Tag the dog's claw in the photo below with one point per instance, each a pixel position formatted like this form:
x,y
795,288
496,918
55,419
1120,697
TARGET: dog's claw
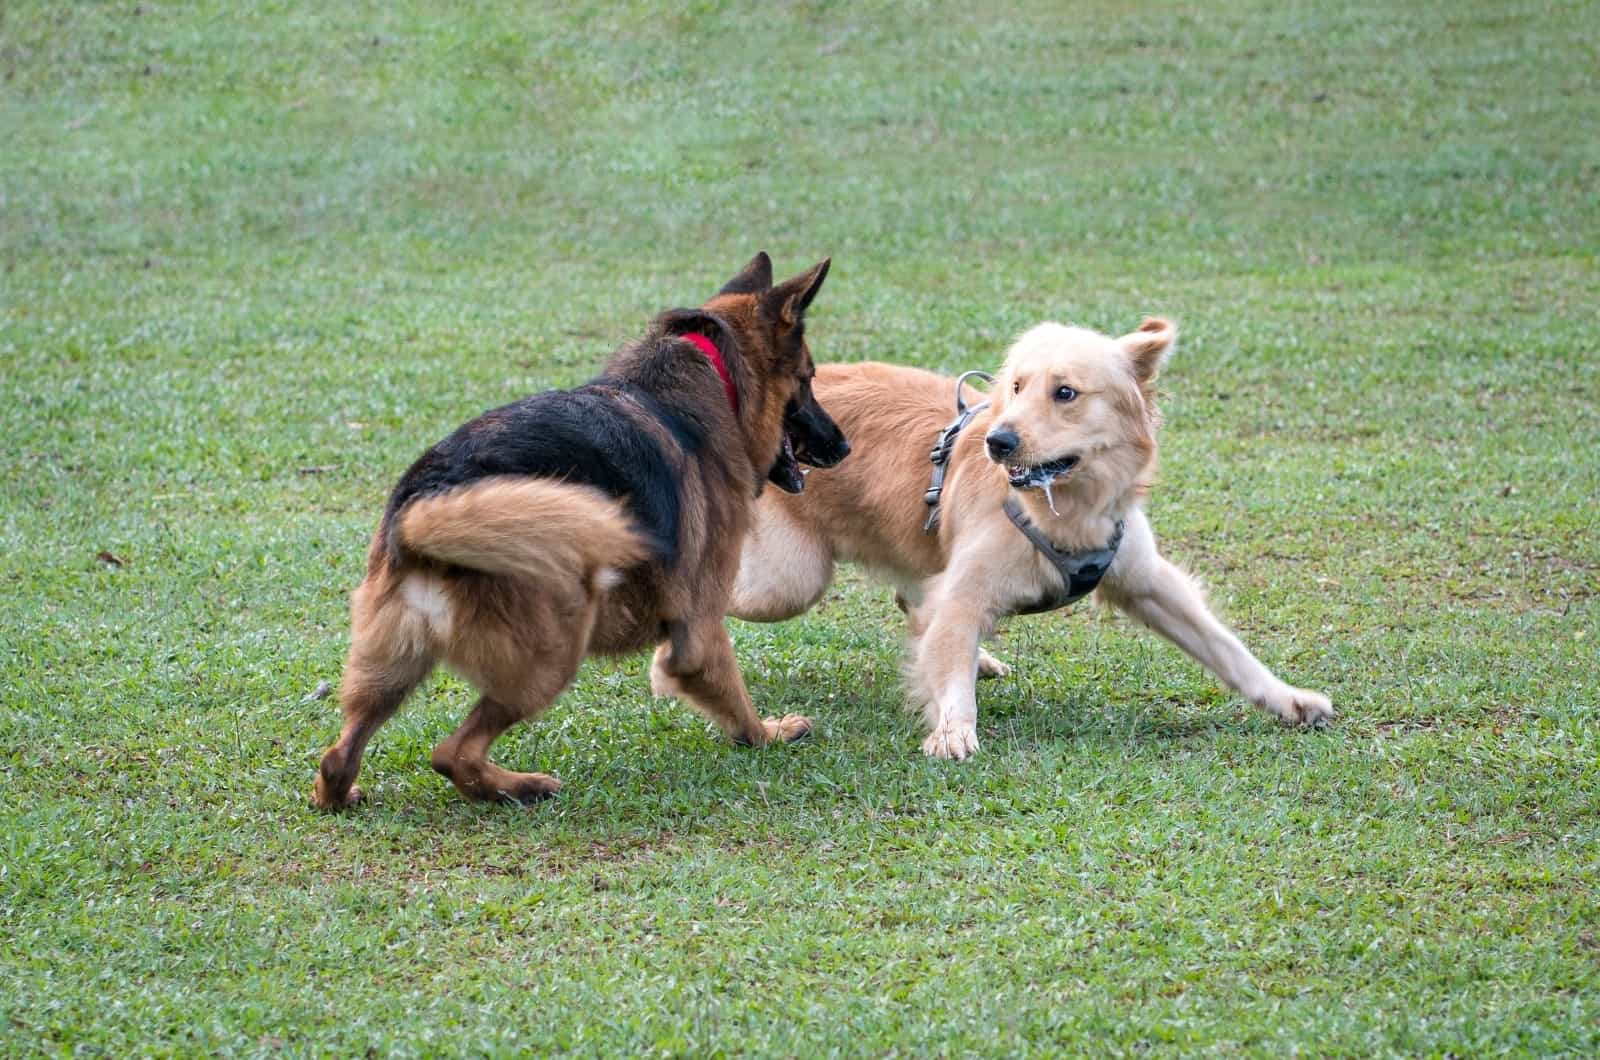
x,y
951,740
1301,706
525,789
787,729
322,800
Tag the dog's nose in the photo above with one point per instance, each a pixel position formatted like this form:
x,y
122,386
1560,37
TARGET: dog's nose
x,y
1002,442
844,448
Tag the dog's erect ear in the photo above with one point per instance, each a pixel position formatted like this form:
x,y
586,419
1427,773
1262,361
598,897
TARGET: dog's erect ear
x,y
1149,347
754,278
788,301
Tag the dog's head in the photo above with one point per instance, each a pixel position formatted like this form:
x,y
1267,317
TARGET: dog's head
x,y
1075,406
785,426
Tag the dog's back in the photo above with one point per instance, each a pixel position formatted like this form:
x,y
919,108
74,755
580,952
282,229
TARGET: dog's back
x,y
871,507
610,435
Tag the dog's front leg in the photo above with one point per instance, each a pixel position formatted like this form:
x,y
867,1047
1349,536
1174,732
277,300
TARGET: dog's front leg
x,y
697,663
909,601
1153,591
944,674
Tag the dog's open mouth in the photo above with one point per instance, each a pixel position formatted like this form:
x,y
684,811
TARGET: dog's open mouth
x,y
1036,476
810,437
786,473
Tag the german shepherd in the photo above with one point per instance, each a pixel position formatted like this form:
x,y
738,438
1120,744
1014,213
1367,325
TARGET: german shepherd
x,y
599,520
1069,438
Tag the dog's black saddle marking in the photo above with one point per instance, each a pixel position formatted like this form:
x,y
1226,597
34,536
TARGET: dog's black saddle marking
x,y
580,436
945,445
1080,571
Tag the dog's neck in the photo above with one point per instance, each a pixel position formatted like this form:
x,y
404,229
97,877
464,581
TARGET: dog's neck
x,y
714,355
1085,516
743,424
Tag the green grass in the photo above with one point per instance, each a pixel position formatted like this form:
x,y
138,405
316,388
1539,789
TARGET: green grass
x,y
254,258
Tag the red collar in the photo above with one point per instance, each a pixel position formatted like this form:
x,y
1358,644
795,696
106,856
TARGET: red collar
x,y
714,355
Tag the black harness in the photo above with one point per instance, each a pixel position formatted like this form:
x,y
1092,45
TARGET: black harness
x,y
1080,571
946,444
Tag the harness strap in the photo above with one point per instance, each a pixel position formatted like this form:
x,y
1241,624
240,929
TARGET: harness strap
x,y
946,444
1080,571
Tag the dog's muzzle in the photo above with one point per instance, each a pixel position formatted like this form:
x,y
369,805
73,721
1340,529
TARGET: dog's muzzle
x,y
809,437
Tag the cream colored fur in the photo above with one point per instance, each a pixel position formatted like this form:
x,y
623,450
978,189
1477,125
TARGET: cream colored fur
x,y
977,568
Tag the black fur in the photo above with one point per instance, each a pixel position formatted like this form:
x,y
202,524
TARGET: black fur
x,y
587,435
582,436
817,440
754,278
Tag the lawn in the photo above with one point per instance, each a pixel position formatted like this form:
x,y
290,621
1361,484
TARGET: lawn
x,y
254,258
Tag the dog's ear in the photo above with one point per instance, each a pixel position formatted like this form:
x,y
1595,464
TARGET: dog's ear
x,y
754,278
787,302
1149,347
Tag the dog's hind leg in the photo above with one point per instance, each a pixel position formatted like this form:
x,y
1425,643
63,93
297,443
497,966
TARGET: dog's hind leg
x,y
390,654
521,668
990,667
374,685
697,663
464,755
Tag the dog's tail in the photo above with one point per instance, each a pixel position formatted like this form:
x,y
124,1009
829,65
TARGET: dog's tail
x,y
538,529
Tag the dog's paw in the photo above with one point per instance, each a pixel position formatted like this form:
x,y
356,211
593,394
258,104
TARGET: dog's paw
x,y
323,798
1300,706
989,666
527,788
951,739
787,729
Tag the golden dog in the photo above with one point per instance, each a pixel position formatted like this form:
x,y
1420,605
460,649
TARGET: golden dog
x,y
1070,439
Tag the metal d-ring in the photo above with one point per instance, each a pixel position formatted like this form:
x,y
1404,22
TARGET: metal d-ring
x,y
961,380
946,443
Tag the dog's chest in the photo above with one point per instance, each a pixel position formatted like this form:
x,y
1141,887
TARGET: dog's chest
x,y
1062,577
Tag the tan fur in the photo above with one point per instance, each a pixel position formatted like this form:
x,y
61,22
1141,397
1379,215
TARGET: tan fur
x,y
513,581
532,528
957,583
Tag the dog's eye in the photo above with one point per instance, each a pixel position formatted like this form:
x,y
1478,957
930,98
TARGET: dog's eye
x,y
1065,393
1016,388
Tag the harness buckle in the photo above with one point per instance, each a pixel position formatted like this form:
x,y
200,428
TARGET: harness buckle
x,y
940,452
